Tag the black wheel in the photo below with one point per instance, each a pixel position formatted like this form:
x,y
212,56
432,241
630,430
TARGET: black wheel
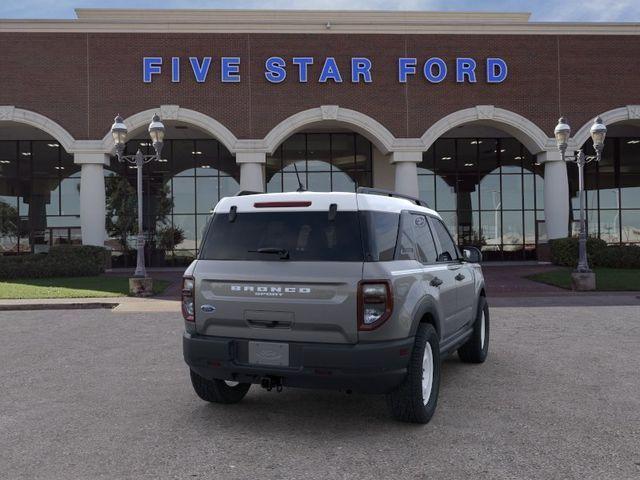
x,y
477,347
416,398
218,391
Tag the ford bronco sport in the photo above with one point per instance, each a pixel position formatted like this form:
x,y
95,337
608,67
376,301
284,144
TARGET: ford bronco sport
x,y
357,291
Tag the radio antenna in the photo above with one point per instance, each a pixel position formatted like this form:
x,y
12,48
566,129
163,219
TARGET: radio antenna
x,y
300,186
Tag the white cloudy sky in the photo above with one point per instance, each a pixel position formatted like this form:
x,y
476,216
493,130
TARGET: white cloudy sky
x,y
542,10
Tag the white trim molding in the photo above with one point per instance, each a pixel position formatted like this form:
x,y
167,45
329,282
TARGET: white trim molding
x,y
310,21
527,132
9,113
180,114
373,130
621,114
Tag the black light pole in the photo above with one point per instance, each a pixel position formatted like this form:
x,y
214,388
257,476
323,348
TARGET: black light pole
x,y
598,132
156,132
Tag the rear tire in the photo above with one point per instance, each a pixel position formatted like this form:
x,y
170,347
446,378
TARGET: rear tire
x,y
477,347
218,391
416,398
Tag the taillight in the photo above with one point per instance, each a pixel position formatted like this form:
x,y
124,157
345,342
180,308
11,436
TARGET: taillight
x,y
188,303
375,303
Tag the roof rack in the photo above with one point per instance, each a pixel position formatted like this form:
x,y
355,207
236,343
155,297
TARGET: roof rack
x,y
389,193
242,193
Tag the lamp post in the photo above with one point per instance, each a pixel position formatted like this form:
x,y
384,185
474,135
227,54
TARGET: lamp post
x,y
156,132
583,277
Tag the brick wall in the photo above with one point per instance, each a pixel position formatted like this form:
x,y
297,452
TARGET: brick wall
x,y
82,80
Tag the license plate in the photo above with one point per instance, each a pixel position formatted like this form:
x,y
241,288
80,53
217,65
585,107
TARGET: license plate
x,y
269,353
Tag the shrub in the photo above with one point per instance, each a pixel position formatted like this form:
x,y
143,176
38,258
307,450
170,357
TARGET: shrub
x,y
565,252
618,256
61,261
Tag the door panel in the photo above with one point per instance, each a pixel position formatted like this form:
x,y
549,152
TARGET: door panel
x,y
467,294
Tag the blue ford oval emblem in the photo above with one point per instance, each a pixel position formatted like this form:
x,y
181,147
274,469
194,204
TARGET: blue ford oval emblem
x,y
207,308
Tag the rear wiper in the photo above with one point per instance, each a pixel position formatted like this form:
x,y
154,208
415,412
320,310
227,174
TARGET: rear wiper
x,y
283,252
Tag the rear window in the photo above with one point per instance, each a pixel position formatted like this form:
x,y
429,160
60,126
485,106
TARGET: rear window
x,y
305,236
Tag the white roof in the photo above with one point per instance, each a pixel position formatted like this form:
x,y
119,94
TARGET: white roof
x,y
319,201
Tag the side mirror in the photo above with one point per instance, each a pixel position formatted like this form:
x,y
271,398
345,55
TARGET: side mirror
x,y
472,254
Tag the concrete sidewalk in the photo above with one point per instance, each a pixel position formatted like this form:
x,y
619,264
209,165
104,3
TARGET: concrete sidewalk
x,y
117,304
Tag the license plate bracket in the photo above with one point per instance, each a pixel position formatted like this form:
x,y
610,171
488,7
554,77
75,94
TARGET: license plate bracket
x,y
269,353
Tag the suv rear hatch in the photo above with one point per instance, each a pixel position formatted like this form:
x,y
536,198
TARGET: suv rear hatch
x,y
284,271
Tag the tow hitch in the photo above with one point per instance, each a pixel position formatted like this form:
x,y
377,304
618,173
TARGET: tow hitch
x,y
271,382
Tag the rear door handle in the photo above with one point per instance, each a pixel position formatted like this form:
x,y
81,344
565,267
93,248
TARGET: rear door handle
x,y
459,277
436,282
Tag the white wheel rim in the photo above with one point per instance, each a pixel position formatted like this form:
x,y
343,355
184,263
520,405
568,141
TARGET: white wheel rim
x,y
231,383
482,330
427,373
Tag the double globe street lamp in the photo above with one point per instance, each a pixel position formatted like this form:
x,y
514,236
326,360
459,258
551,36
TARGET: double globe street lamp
x,y
582,278
156,132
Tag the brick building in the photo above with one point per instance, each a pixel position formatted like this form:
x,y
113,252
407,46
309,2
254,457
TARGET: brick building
x,y
457,108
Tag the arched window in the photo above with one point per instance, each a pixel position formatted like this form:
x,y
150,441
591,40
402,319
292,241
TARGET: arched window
x,y
179,192
488,191
39,196
325,161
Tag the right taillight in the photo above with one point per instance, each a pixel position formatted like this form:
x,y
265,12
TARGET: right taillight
x,y
188,302
375,303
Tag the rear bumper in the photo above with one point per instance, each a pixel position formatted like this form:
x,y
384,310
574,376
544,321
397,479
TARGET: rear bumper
x,y
376,367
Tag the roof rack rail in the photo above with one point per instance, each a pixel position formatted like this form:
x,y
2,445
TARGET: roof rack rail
x,y
242,193
389,193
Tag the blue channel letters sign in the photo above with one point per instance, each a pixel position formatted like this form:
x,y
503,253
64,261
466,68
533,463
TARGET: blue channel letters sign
x,y
326,70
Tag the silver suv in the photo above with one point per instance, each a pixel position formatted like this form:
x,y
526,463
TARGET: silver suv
x,y
354,291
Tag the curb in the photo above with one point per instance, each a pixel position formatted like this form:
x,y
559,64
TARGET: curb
x,y
58,306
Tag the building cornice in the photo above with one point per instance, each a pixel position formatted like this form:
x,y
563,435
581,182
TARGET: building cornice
x,y
317,22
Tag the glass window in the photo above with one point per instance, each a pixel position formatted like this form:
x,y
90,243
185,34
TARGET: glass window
x,y
467,154
380,229
512,192
445,193
343,151
630,226
319,152
207,194
511,155
183,154
70,196
424,240
305,236
610,226
490,193
405,249
426,187
487,155
363,153
427,164
325,162
45,158
8,159
445,156
512,231
449,251
183,195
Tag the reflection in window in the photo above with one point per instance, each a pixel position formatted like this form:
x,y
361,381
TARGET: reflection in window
x,y
325,162
179,193
612,190
39,196
490,190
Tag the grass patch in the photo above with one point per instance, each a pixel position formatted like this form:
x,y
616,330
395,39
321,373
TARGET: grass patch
x,y
607,279
71,287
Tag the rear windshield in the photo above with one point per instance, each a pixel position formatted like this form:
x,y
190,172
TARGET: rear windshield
x,y
304,236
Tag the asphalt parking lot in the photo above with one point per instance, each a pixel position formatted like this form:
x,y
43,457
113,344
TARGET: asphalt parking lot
x,y
97,394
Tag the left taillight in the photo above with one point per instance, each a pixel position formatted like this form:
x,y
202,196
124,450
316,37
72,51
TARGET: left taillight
x,y
188,301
